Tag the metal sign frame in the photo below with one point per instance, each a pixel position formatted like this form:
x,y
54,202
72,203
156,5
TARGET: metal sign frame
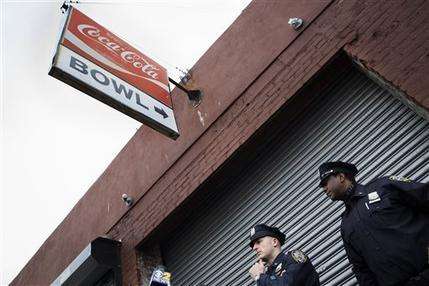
x,y
95,61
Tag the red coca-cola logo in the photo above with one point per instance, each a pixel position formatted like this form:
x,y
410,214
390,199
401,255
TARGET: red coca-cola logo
x,y
135,59
99,45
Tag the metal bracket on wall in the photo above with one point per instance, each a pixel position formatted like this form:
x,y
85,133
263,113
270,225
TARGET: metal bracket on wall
x,y
66,5
194,95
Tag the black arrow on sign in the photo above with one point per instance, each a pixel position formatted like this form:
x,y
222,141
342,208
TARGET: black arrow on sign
x,y
161,111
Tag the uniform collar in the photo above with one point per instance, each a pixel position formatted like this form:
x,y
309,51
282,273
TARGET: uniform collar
x,y
358,191
354,193
277,260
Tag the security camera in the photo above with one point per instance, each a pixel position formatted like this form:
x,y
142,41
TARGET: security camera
x,y
127,199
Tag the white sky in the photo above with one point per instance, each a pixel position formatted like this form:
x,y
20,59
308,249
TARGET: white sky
x,y
55,140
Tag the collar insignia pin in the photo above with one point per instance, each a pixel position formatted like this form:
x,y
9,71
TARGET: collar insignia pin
x,y
278,268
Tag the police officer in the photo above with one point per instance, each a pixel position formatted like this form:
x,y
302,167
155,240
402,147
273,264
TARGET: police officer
x,y
277,268
385,225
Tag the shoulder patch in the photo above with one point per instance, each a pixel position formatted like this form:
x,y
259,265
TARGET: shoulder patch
x,y
299,256
400,179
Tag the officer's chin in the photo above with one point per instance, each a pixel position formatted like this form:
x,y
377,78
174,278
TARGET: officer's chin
x,y
334,198
339,198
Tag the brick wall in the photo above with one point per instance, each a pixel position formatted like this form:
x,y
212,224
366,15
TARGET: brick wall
x,y
389,38
148,257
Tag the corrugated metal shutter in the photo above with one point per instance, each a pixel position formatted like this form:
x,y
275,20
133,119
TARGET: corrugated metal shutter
x,y
355,120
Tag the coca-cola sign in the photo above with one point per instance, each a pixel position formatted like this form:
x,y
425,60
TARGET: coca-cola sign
x,y
96,61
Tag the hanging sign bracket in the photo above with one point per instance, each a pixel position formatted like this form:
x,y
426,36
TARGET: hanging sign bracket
x,y
66,5
194,95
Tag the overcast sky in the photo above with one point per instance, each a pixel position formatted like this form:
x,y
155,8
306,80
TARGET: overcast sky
x,y
55,140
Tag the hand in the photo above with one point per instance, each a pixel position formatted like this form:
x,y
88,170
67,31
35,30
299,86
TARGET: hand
x,y
257,269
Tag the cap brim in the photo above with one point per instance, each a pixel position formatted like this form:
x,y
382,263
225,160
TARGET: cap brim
x,y
257,236
261,234
324,178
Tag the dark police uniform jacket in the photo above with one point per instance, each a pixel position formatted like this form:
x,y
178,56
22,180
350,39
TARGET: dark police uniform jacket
x,y
385,230
290,268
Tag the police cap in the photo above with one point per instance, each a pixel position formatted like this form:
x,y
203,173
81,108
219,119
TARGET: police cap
x,y
262,230
330,168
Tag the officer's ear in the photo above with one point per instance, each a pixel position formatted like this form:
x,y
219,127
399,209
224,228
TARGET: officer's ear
x,y
342,177
276,242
